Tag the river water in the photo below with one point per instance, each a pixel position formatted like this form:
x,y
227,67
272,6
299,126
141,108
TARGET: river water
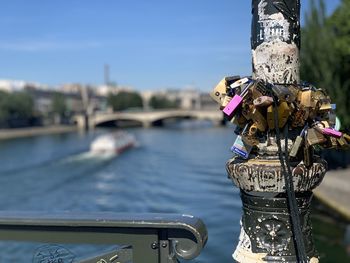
x,y
174,170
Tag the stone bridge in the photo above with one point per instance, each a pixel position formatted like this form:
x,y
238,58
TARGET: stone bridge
x,y
148,118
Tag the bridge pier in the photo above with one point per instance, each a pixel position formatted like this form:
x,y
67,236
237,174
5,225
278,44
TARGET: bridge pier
x,y
146,124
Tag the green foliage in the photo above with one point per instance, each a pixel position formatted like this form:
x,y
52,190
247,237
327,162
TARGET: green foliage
x,y
124,100
4,113
15,106
161,102
325,53
59,105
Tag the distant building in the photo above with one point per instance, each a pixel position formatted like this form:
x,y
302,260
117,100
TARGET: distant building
x,y
207,103
105,90
184,98
15,85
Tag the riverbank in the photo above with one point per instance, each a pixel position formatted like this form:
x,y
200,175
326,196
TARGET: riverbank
x,y
334,191
35,131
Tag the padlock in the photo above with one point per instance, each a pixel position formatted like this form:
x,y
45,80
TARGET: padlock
x,y
241,148
249,135
298,143
239,83
321,96
283,114
342,142
347,137
261,88
299,117
305,98
231,79
334,142
308,156
325,124
325,105
253,129
323,127
219,92
283,93
236,101
247,110
296,146
314,137
294,89
263,101
239,120
270,118
259,120
226,101
332,132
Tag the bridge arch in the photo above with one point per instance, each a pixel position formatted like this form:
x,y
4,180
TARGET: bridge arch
x,y
120,123
152,118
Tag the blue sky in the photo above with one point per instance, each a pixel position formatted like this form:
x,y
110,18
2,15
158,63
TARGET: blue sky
x,y
148,44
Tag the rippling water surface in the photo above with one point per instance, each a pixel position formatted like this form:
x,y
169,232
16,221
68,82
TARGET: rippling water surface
x,y
178,170
175,170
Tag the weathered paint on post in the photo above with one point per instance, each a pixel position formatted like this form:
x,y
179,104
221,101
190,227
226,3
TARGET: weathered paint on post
x,y
275,40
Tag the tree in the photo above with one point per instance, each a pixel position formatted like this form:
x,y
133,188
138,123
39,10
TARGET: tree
x,y
324,56
59,105
124,100
161,102
16,109
21,105
4,113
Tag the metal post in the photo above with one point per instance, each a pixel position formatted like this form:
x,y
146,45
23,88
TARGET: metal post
x,y
275,40
266,229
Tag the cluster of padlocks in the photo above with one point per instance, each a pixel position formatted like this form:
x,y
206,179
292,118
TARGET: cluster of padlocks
x,y
255,107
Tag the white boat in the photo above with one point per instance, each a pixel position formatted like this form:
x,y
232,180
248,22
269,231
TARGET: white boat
x,y
114,143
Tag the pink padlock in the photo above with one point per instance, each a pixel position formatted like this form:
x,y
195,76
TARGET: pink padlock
x,y
332,132
237,100
232,105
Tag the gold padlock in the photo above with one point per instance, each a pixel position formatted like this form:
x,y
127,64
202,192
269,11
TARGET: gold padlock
x,y
305,98
270,118
250,140
320,95
299,117
247,110
294,89
226,101
346,136
314,137
249,136
253,129
325,124
308,156
219,91
334,142
325,105
283,114
342,142
259,120
239,120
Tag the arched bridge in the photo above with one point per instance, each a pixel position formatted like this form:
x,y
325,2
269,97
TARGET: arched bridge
x,y
149,118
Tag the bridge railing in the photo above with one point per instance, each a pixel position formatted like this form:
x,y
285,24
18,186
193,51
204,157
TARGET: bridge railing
x,y
145,238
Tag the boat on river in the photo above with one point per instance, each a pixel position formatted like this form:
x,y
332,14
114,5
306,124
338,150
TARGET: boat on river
x,y
113,143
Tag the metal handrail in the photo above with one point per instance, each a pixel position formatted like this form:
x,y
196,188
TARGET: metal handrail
x,y
153,237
